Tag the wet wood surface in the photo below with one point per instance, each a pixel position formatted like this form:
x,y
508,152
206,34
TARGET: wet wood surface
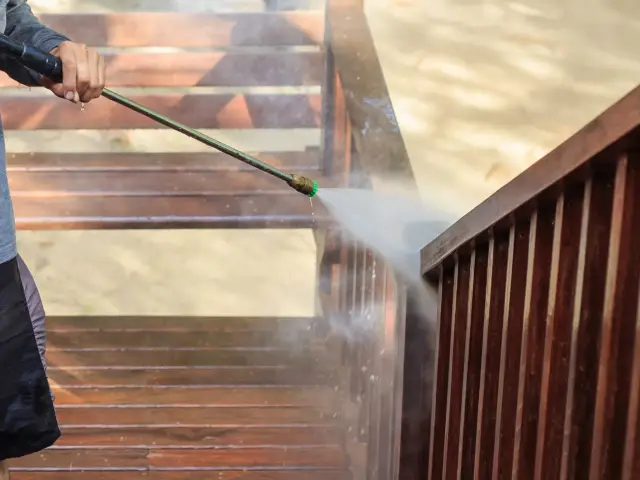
x,y
144,417
204,110
557,362
210,69
158,29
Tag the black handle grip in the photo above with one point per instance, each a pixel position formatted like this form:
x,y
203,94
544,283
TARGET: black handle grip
x,y
44,63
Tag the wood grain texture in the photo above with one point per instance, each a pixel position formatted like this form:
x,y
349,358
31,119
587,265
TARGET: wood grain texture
x,y
131,418
205,110
239,474
618,127
196,29
209,69
126,162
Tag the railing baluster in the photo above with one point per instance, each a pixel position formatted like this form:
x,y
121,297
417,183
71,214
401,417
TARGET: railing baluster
x,y
533,328
472,361
492,337
511,346
553,390
631,461
587,314
439,402
618,326
456,359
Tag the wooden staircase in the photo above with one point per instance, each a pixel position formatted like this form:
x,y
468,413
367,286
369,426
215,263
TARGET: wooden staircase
x,y
196,398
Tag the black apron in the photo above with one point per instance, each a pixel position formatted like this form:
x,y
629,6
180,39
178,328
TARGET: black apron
x,y
27,417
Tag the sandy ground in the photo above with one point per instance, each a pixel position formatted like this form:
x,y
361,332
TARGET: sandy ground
x,y
482,88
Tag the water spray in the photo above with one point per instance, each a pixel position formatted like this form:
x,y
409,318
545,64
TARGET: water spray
x,y
50,66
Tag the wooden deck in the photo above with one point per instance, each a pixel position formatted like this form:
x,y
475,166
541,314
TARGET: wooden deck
x,y
219,398
192,398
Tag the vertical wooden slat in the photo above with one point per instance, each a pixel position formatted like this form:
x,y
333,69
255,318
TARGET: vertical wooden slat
x,y
456,359
533,329
492,338
439,403
618,326
511,347
553,391
472,362
587,313
631,461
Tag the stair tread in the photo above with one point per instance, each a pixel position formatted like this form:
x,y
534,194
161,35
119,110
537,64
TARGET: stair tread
x,y
238,474
196,416
196,395
168,435
190,375
192,457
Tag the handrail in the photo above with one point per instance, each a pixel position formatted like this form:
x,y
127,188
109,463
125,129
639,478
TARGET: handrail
x,y
614,125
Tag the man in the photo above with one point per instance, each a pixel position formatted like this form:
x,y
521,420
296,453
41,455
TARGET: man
x,y
27,418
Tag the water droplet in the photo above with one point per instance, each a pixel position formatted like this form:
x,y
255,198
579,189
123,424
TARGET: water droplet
x,y
29,88
82,107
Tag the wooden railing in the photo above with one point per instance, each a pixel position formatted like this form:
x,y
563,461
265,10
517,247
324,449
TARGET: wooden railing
x,y
360,297
537,371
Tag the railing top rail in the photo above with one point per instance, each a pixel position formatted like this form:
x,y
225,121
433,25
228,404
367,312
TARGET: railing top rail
x,y
375,130
611,130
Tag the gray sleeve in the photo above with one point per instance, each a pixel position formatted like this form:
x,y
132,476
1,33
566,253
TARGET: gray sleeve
x,y
24,27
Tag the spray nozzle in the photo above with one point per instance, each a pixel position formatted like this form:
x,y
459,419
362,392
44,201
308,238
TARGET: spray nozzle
x,y
303,185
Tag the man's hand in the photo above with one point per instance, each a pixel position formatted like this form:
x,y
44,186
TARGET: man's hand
x,y
83,73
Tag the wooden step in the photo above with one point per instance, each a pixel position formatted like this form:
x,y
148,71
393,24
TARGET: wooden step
x,y
187,457
189,357
201,436
213,161
208,375
260,396
196,29
158,397
210,69
195,416
241,474
194,338
206,110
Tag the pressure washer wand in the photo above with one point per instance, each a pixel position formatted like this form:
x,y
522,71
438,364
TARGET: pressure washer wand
x,y
50,66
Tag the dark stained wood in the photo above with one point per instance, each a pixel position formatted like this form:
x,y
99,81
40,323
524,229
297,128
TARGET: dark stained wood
x,y
587,313
618,325
154,357
536,298
459,318
276,210
439,403
491,348
190,375
239,474
195,110
196,416
198,436
126,162
223,396
472,362
198,458
209,69
618,124
177,324
631,461
553,391
511,350
159,29
378,147
83,184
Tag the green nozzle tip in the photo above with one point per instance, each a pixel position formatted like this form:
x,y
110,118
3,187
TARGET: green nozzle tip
x,y
314,191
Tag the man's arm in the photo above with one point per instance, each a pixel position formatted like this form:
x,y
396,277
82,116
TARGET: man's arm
x,y
23,26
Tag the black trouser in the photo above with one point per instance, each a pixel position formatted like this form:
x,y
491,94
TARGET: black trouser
x,y
27,417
